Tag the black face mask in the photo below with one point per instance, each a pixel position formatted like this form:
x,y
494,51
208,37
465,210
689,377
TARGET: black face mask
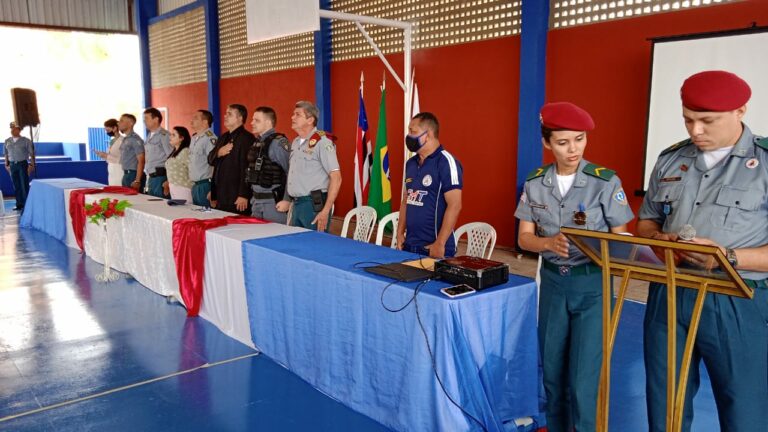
x,y
111,134
412,142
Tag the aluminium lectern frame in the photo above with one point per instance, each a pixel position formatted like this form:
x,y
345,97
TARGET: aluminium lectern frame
x,y
727,282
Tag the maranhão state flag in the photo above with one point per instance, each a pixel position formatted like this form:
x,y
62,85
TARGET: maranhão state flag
x,y
362,151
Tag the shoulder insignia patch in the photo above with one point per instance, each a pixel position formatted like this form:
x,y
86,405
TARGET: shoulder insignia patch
x,y
538,172
600,172
319,134
676,146
762,143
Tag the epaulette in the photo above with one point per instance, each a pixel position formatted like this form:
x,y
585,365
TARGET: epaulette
x,y
163,132
600,172
318,135
676,146
762,143
209,133
538,172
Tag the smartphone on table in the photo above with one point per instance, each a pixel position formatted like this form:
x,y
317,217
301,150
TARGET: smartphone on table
x,y
457,290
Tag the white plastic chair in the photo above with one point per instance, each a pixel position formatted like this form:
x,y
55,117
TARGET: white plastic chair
x,y
366,219
392,218
479,236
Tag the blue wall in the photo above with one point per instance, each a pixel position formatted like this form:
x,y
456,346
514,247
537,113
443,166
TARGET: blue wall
x,y
86,170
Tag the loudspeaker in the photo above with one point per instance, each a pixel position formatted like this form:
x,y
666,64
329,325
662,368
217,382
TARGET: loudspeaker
x,y
25,107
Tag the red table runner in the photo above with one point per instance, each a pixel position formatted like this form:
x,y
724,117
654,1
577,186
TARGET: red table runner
x,y
189,254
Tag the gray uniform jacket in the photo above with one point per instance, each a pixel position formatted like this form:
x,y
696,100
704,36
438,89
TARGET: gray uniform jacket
x,y
158,148
311,163
596,191
202,144
727,204
131,147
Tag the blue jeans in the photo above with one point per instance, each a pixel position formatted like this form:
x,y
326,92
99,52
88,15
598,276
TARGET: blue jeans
x,y
20,179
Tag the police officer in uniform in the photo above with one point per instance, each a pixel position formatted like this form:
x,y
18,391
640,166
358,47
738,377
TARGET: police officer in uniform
x,y
571,192
131,154
717,182
200,172
432,202
268,166
314,176
158,147
20,163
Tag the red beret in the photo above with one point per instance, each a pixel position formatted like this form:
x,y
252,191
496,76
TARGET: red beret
x,y
565,116
714,91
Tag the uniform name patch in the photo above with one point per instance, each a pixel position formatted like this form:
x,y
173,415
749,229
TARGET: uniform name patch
x,y
670,179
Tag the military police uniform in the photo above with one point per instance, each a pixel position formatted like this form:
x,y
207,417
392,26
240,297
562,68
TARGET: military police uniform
x,y
18,153
158,148
728,204
426,184
311,162
200,172
571,297
267,173
131,147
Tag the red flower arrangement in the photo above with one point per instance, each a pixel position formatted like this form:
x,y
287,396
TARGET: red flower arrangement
x,y
105,209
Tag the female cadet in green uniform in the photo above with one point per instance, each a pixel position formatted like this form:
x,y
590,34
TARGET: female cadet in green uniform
x,y
571,192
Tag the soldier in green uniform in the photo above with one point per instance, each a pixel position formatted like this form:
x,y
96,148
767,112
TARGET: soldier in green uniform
x,y
571,192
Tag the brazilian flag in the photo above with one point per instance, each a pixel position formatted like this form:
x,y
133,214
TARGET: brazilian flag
x,y
379,189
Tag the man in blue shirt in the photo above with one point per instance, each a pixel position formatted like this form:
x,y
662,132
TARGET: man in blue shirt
x,y
432,200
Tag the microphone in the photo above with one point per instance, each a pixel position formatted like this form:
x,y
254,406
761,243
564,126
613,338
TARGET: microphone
x,y
687,233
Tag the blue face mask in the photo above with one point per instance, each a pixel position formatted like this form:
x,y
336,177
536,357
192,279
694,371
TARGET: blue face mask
x,y
413,142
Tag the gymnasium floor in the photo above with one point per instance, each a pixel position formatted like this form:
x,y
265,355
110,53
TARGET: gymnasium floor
x,y
78,355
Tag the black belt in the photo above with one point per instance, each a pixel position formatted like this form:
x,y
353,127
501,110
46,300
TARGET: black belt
x,y
199,182
154,174
128,171
18,162
263,195
569,270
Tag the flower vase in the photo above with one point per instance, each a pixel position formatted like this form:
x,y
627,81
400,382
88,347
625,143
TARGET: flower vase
x,y
107,275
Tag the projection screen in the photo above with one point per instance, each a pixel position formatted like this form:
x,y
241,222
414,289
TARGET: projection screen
x,y
674,59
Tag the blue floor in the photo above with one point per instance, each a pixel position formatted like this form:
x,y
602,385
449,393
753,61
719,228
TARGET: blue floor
x,y
64,337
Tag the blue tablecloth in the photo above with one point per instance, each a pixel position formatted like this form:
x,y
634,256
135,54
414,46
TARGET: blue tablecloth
x,y
312,311
45,203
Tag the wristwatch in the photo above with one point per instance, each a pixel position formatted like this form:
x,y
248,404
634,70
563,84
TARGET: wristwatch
x,y
730,255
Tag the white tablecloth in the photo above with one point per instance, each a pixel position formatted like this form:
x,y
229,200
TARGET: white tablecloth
x,y
224,302
141,245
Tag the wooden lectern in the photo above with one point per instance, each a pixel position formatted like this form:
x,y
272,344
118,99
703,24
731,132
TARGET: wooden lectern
x,y
631,258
